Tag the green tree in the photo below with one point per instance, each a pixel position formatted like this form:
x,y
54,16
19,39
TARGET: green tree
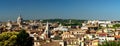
x,y
116,26
23,39
110,43
15,39
57,37
8,38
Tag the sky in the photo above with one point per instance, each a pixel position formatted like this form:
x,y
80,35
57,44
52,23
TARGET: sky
x,y
64,9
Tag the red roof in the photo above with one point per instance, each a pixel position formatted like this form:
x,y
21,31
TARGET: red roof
x,y
117,36
102,34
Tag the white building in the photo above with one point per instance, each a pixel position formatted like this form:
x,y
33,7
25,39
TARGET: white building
x,y
99,22
60,28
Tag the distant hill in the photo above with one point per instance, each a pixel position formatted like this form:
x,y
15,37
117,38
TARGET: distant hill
x,y
65,22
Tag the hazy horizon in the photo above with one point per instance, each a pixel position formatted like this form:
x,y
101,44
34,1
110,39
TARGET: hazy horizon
x,y
63,9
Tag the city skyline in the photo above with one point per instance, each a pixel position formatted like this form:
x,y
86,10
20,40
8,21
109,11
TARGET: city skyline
x,y
64,9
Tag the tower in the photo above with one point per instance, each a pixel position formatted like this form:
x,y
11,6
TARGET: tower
x,y
46,33
19,20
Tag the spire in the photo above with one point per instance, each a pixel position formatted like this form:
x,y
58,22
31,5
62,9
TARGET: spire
x,y
19,16
46,33
46,29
